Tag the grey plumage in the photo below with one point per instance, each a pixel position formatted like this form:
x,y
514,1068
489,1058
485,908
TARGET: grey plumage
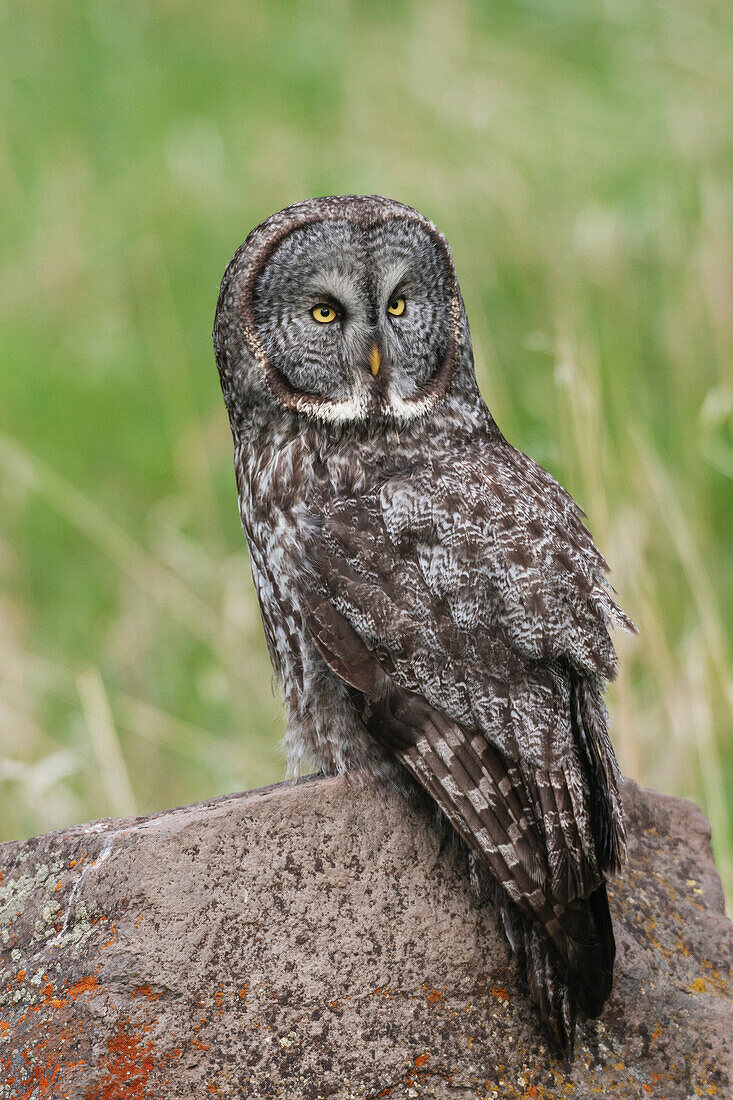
x,y
433,605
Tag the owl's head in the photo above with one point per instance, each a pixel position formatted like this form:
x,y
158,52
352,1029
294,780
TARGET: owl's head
x,y
343,310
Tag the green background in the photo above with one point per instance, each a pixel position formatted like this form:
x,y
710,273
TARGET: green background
x,y
578,157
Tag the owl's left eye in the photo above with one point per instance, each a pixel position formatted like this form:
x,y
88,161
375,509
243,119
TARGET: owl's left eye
x,y
323,313
396,307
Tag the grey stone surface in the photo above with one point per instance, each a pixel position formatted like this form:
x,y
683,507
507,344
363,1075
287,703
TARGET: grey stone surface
x,y
314,940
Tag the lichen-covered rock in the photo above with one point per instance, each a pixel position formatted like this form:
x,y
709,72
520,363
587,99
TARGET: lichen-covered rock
x,y
313,940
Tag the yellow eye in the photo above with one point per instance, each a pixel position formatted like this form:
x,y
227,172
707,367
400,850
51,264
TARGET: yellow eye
x,y
323,313
396,307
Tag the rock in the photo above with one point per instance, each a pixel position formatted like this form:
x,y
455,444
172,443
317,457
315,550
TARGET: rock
x,y
313,940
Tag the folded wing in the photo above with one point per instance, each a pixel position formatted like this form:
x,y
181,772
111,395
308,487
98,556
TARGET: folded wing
x,y
468,613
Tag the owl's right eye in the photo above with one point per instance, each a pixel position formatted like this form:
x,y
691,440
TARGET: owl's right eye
x,y
323,313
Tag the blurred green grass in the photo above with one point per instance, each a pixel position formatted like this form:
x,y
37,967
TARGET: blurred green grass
x,y
577,155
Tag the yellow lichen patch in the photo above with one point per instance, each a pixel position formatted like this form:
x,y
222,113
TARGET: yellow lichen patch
x,y
711,983
718,980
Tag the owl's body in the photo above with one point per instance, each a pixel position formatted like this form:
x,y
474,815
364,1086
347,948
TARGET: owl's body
x,y
289,481
434,608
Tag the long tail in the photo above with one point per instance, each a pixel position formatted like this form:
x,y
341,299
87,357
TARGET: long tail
x,y
561,988
565,985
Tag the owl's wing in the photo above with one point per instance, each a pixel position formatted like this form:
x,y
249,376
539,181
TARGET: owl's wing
x,y
467,610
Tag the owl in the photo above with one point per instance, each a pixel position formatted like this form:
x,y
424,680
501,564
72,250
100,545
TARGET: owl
x,y
435,610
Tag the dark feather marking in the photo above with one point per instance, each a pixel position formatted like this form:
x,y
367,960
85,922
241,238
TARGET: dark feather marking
x,y
437,753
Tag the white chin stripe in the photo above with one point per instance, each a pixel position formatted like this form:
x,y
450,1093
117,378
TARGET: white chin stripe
x,y
355,411
335,412
404,410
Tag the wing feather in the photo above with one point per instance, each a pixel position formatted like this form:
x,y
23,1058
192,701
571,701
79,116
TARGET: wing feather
x,y
467,610
486,802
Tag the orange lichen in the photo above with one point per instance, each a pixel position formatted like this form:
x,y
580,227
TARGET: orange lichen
x,y
242,992
500,993
146,991
51,999
47,992
125,1069
20,976
411,1079
421,1060
114,936
45,1072
84,985
39,1083
698,986
434,995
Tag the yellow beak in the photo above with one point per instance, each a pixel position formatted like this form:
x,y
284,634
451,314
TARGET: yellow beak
x,y
375,360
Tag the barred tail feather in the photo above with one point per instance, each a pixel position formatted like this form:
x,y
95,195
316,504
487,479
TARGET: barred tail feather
x,y
549,989
581,982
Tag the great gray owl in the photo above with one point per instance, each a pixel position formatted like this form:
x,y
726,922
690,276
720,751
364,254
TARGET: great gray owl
x,y
433,605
